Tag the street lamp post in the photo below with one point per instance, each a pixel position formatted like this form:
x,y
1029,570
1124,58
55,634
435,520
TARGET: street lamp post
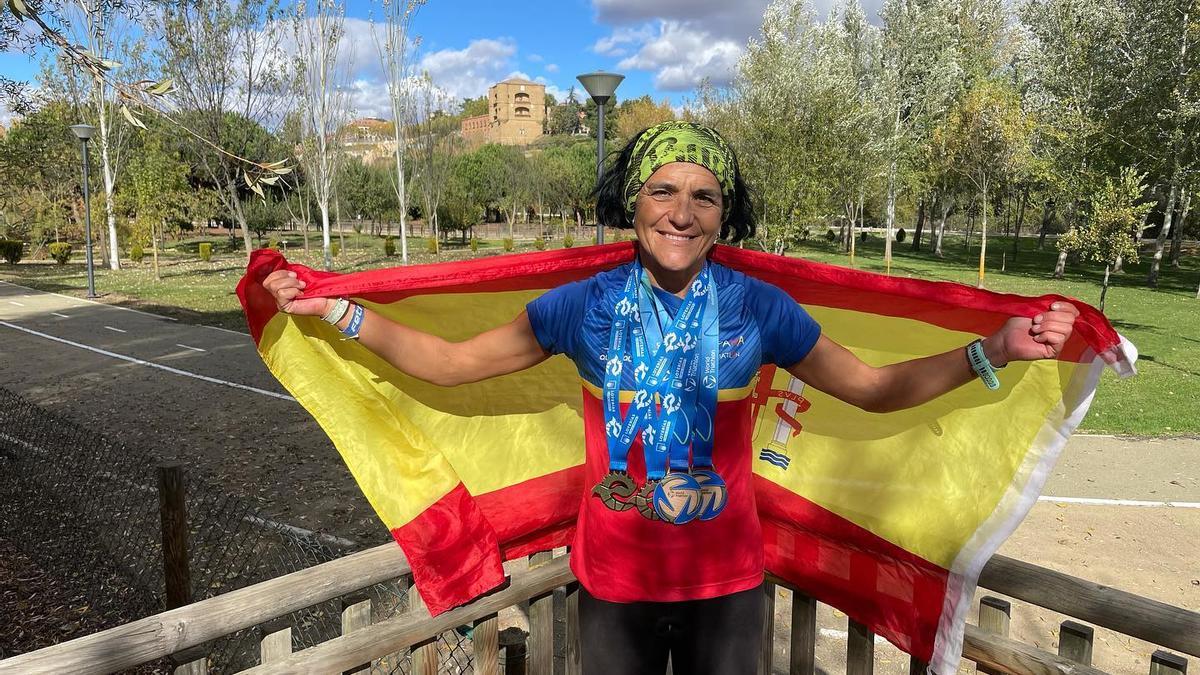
x,y
84,133
600,86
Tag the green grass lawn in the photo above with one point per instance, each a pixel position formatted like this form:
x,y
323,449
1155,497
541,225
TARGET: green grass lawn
x,y
1164,324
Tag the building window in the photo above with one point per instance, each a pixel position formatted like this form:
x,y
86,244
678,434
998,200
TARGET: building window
x,y
522,112
522,98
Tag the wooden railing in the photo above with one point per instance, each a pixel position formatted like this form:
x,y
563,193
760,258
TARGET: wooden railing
x,y
179,630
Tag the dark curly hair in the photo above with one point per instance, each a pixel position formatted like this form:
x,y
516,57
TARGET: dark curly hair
x,y
610,201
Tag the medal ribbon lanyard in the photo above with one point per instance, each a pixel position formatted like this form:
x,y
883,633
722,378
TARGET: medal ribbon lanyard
x,y
688,403
647,379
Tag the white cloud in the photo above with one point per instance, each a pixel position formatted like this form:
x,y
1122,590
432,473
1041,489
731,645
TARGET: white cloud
x,y
721,18
681,56
615,44
551,67
469,72
535,58
551,88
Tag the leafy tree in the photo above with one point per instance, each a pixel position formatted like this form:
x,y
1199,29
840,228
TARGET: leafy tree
x,y
564,118
633,115
40,174
474,107
159,190
1115,212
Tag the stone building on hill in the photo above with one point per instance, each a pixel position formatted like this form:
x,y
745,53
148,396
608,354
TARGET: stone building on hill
x,y
517,115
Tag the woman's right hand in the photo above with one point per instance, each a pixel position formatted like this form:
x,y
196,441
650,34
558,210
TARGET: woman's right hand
x,y
285,288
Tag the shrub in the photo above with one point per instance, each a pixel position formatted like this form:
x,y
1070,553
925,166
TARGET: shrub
x,y
900,234
509,246
275,244
206,251
389,247
334,249
863,236
431,246
568,241
136,253
474,244
61,252
539,244
830,235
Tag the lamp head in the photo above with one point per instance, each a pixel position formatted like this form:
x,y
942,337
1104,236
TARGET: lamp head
x,y
600,85
83,132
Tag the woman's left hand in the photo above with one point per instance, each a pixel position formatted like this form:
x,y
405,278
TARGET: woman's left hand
x,y
1025,339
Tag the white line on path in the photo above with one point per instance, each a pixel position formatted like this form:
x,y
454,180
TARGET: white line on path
x,y
116,329
1118,502
226,330
71,297
62,315
195,349
14,302
149,364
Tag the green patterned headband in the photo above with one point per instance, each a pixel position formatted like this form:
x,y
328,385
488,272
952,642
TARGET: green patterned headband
x,y
680,142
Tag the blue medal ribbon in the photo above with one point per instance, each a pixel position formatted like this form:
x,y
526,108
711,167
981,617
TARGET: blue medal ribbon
x,y
686,349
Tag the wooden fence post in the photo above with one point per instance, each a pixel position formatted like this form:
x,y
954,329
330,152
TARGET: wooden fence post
x,y
1165,663
994,617
197,667
860,649
1075,642
541,625
574,639
356,615
766,652
486,641
172,510
425,655
275,646
804,635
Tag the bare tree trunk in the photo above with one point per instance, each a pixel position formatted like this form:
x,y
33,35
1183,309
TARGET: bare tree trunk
x,y
157,244
1177,234
337,211
114,254
1104,288
916,242
1047,216
983,237
325,236
1160,242
1022,203
941,233
891,218
1060,267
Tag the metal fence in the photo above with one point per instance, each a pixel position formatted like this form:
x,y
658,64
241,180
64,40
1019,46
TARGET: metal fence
x,y
87,510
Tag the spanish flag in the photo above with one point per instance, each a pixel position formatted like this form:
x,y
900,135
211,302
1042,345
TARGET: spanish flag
x,y
888,517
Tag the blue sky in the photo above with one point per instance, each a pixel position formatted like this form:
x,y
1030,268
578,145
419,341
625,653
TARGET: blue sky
x,y
664,47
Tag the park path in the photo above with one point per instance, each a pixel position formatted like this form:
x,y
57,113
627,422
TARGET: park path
x,y
1120,511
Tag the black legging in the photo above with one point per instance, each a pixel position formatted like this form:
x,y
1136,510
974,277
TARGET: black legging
x,y
719,636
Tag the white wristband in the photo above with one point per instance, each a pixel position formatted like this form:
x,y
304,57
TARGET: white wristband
x,y
337,312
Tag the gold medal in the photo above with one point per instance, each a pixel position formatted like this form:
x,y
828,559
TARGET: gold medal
x,y
614,489
645,500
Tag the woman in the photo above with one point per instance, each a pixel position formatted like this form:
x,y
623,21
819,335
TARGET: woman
x,y
668,548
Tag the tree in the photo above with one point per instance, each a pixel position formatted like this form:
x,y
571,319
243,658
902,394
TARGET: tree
x,y
474,107
564,119
1104,235
395,50
159,190
224,60
435,142
40,193
324,101
633,115
988,138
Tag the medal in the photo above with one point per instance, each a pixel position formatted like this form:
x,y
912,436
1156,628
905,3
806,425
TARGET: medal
x,y
713,493
645,500
677,498
614,489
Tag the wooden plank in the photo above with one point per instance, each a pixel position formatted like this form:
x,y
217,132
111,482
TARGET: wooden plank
x,y
803,660
424,654
1175,628
766,652
574,643
486,641
173,631
541,625
860,649
197,667
994,617
356,615
1075,642
275,646
1003,654
405,630
1166,663
172,511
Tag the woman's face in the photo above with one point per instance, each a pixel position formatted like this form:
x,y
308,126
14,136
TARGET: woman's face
x,y
678,217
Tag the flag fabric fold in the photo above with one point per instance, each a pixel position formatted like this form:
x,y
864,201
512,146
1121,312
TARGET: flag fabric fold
x,y
888,517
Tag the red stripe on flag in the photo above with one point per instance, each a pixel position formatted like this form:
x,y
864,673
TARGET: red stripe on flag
x,y
452,550
897,594
535,515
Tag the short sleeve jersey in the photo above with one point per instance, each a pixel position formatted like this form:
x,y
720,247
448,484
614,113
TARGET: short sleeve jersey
x,y
622,556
